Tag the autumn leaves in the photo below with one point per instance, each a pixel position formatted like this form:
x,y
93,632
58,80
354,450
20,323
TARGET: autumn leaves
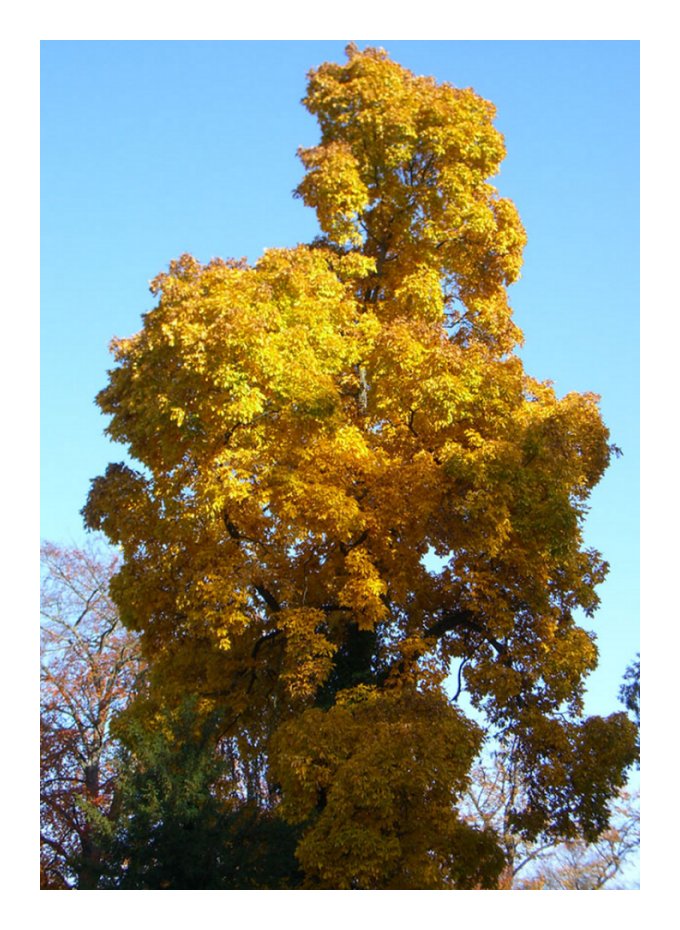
x,y
308,430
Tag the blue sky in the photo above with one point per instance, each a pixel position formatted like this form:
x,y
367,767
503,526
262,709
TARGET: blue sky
x,y
151,149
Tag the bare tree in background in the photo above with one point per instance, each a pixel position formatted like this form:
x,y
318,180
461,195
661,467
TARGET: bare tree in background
x,y
90,666
497,789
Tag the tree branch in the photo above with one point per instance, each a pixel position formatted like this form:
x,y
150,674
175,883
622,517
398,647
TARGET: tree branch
x,y
464,618
268,598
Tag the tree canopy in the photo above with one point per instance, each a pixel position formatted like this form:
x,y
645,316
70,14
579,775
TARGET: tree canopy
x,y
310,432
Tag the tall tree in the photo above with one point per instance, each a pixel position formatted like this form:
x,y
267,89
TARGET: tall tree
x,y
310,429
89,667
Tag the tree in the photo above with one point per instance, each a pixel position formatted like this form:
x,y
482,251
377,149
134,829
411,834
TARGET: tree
x,y
310,431
579,866
180,824
498,792
629,693
89,667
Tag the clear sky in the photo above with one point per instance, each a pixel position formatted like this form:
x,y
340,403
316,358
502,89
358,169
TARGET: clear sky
x,y
151,149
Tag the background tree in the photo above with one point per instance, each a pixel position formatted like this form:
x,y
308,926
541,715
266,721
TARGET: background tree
x,y
184,821
498,792
89,669
629,692
580,866
310,430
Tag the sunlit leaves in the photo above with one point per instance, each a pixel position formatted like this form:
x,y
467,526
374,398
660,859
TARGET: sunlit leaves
x,y
310,430
378,776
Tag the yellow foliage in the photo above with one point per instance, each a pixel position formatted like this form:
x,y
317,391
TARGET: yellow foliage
x,y
311,429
